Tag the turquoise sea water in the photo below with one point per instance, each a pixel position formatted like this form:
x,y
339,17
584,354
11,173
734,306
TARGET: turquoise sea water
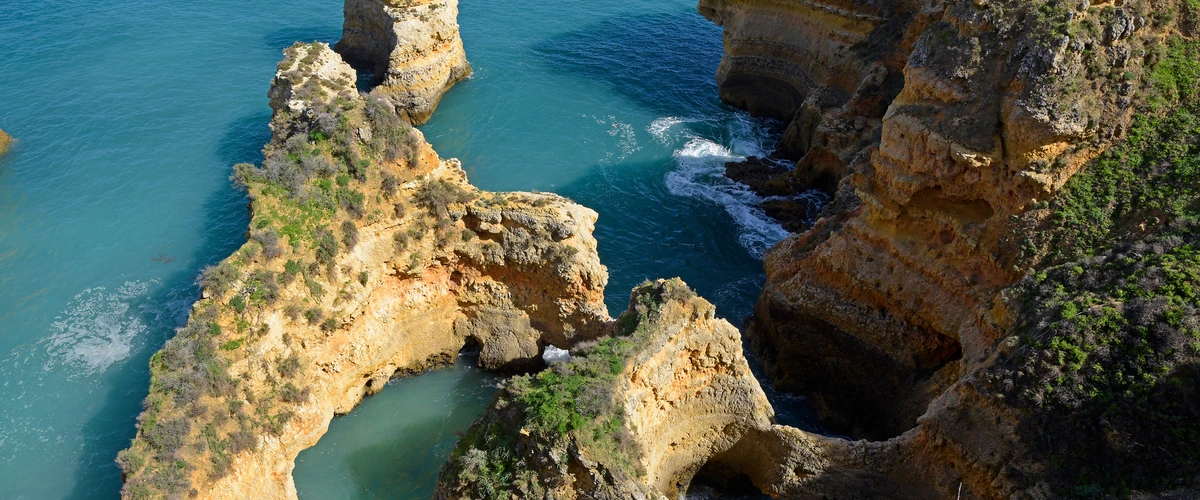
x,y
129,114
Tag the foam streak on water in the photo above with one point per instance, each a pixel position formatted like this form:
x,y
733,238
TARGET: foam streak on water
x,y
96,330
700,174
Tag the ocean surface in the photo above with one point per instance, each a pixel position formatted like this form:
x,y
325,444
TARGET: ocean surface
x,y
130,113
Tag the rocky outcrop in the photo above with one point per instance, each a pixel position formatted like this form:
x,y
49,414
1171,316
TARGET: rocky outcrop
x,y
5,143
411,47
369,258
636,415
828,69
946,130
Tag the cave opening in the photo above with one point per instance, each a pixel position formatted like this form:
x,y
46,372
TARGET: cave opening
x,y
471,349
718,481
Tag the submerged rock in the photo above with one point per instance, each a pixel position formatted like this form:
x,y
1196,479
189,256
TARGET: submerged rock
x,y
5,143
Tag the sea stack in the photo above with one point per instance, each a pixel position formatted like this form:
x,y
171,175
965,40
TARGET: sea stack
x,y
412,48
636,415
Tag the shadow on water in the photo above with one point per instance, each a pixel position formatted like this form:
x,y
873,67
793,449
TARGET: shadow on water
x,y
226,221
388,470
284,38
664,62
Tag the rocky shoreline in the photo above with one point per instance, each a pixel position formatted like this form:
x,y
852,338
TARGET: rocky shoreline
x,y
972,149
966,309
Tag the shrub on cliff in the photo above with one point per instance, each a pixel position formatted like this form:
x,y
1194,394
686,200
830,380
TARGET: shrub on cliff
x,y
391,135
1111,367
269,239
325,246
349,235
437,195
218,279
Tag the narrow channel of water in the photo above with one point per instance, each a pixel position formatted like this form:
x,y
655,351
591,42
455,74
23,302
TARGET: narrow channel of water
x,y
612,103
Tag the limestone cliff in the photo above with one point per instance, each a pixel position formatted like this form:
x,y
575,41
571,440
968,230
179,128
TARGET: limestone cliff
x,y
5,143
369,257
411,47
952,133
636,415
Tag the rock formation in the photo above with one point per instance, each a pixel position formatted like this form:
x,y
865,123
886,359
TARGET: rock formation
x,y
950,132
634,416
369,257
412,49
5,143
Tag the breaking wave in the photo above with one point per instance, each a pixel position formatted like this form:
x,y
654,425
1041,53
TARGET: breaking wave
x,y
700,173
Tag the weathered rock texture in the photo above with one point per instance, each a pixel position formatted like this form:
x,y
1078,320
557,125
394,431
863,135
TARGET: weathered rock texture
x,y
370,257
412,47
945,129
635,416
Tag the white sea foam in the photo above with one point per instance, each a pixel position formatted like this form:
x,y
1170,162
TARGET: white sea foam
x,y
97,328
626,139
660,128
700,174
627,143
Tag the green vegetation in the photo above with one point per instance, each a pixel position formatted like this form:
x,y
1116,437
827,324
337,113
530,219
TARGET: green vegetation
x,y
313,175
1111,367
569,401
438,195
1150,179
391,136
1109,361
218,279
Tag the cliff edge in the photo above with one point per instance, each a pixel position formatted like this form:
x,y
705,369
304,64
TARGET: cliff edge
x,y
369,257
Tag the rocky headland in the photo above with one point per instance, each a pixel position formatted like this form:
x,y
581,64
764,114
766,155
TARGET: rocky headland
x,y
1000,301
369,257
411,48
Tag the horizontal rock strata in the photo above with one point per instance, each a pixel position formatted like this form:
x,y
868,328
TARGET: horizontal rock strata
x,y
946,131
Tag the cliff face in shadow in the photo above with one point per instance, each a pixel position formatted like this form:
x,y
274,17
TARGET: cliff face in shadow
x,y
971,145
